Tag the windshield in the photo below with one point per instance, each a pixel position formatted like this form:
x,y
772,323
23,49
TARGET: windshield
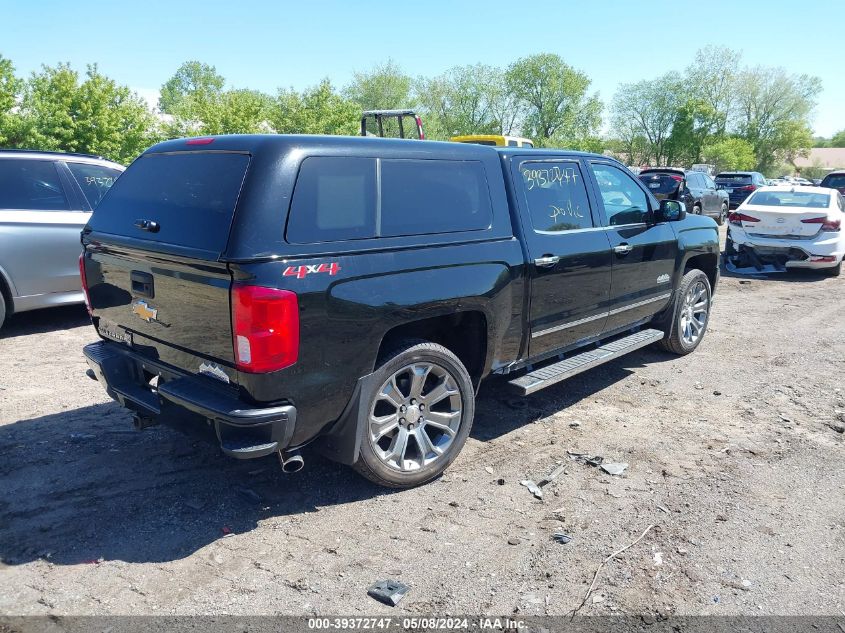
x,y
837,181
791,199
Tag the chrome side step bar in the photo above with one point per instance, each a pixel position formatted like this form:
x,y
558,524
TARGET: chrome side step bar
x,y
575,364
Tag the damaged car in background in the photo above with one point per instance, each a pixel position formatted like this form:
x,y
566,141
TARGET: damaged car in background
x,y
783,227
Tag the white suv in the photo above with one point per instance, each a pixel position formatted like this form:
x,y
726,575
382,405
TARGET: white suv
x,y
45,200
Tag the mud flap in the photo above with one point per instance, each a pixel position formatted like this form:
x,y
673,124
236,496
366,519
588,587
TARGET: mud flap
x,y
342,442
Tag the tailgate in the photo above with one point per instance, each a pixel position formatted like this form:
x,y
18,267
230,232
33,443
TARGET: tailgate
x,y
169,309
153,246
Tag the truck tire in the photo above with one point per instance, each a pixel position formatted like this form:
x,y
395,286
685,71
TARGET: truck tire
x,y
686,323
420,413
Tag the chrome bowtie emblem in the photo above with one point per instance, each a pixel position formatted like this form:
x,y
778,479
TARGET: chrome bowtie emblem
x,y
143,310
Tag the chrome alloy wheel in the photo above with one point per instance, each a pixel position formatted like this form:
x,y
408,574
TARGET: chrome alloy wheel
x,y
415,416
694,313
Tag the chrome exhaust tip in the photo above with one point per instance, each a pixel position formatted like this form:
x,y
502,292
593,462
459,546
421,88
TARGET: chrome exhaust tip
x,y
291,462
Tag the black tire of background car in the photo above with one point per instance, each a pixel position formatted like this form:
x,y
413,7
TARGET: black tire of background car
x,y
723,213
2,309
696,209
830,272
673,341
405,353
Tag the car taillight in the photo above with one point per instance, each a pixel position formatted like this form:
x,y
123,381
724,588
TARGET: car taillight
x,y
84,279
199,141
676,178
827,225
265,328
748,188
738,218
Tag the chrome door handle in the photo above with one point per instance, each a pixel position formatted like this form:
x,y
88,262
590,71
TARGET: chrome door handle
x,y
623,249
546,261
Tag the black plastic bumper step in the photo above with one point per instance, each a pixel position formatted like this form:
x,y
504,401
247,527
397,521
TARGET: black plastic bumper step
x,y
575,364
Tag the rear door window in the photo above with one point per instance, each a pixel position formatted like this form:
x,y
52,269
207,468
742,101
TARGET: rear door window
x,y
94,180
433,196
31,185
191,195
556,196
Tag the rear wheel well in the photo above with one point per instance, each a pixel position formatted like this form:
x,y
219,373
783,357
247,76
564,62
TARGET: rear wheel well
x,y
464,333
707,263
7,295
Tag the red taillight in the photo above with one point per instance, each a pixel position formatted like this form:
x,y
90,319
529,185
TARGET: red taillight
x,y
265,328
748,188
677,178
827,225
738,218
199,141
822,259
84,279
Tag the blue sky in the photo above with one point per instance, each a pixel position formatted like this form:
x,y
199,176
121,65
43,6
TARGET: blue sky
x,y
265,45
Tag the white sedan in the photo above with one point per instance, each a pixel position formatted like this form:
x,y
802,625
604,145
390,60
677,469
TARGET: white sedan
x,y
787,226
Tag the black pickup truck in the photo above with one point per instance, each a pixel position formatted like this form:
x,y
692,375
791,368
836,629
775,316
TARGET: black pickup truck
x,y
275,291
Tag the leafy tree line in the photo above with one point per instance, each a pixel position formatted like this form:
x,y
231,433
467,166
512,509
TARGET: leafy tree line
x,y
714,111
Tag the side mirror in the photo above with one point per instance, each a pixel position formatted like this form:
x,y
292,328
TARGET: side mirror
x,y
670,211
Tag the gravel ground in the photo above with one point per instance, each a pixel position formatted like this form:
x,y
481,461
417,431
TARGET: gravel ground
x,y
733,457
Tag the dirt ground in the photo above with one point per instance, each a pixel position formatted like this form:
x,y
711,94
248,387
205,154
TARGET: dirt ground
x,y
733,457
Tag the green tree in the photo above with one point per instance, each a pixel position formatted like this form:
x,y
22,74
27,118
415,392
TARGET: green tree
x,y
838,139
463,100
197,104
385,87
642,116
773,113
691,128
244,112
96,116
10,90
193,81
729,154
555,99
317,110
711,81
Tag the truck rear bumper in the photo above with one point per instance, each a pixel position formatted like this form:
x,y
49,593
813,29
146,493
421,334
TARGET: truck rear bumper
x,y
243,430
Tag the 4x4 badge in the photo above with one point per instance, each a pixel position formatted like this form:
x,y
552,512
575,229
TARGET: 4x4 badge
x,y
143,310
300,271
